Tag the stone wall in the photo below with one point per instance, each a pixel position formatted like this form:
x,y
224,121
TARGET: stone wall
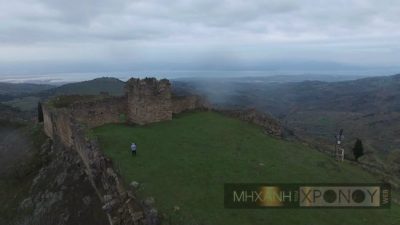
x,y
270,125
57,126
99,112
47,122
185,103
149,100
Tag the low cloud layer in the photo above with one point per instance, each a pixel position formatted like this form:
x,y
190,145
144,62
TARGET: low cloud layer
x,y
98,35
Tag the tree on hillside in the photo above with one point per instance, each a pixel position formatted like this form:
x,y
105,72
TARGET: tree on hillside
x,y
358,149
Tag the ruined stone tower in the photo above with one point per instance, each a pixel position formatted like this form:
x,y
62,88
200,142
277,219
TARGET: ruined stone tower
x,y
149,100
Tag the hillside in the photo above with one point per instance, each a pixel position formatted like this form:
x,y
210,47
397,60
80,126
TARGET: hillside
x,y
367,108
10,91
10,114
28,100
23,88
41,183
110,85
376,94
185,162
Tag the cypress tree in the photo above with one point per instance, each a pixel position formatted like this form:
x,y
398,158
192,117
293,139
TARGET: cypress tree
x,y
40,112
358,149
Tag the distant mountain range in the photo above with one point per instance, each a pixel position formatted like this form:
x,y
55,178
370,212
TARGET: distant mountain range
x,y
112,86
277,78
105,84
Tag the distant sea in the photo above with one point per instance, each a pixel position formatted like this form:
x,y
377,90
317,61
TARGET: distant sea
x,y
62,78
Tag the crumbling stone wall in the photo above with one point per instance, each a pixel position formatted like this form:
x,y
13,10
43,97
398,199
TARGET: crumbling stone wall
x,y
99,112
47,122
57,126
270,125
149,100
184,103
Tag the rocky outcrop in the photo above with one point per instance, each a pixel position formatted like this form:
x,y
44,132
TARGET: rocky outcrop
x,y
120,205
61,193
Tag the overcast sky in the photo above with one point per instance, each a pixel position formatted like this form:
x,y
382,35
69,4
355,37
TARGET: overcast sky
x,y
48,36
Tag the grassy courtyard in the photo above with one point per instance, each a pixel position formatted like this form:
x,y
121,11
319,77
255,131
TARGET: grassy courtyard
x,y
185,162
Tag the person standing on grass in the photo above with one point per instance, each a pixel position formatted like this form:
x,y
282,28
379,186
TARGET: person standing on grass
x,y
133,149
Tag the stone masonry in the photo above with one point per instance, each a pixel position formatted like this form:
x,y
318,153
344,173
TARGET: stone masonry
x,y
149,100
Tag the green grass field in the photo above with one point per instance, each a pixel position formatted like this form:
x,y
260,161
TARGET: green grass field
x,y
185,162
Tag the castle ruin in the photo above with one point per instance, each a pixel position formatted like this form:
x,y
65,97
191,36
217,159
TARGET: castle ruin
x,y
145,101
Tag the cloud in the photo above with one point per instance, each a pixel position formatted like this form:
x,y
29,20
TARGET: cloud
x,y
198,33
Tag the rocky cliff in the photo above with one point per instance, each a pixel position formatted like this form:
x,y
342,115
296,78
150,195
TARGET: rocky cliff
x,y
119,204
